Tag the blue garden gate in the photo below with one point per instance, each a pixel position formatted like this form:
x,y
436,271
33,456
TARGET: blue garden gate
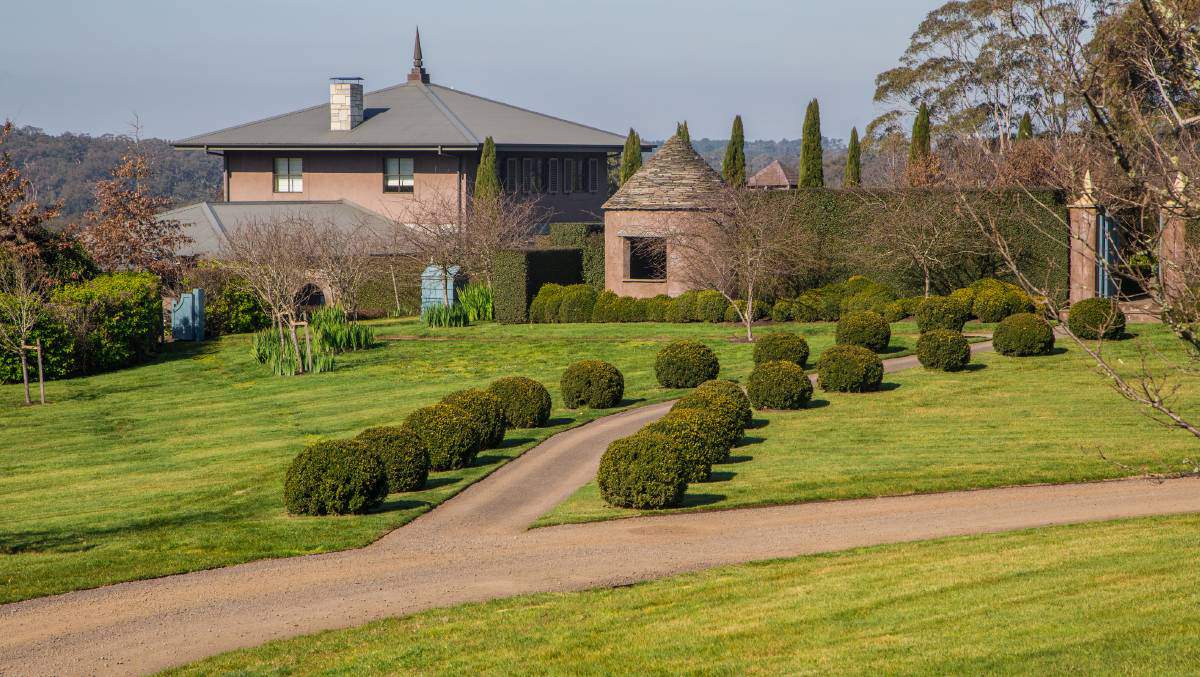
x,y
439,284
187,317
1108,242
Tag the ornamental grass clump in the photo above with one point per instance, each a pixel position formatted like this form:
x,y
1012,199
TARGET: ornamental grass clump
x,y
779,385
867,329
440,315
781,345
594,384
732,391
486,409
685,364
405,458
643,471
1023,335
1096,318
451,434
849,369
942,312
526,402
335,477
943,349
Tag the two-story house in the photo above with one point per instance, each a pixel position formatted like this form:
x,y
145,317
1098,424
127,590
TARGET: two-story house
x,y
385,150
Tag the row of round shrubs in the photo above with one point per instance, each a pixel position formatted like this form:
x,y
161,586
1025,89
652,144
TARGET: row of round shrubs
x,y
652,468
582,303
337,477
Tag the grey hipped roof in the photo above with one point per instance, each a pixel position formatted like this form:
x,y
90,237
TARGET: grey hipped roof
x,y
674,178
413,115
209,224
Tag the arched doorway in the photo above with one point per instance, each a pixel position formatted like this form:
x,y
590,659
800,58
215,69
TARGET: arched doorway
x,y
310,296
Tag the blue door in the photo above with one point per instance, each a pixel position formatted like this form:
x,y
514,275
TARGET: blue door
x,y
1108,244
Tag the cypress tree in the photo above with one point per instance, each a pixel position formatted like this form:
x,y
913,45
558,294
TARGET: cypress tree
x,y
733,169
631,157
487,178
682,132
853,177
921,147
1025,129
812,160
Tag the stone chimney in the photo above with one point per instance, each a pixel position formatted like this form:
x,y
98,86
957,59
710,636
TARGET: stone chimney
x,y
418,73
345,103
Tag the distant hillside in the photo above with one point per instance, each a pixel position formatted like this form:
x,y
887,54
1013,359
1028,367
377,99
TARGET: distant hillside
x,y
761,153
66,167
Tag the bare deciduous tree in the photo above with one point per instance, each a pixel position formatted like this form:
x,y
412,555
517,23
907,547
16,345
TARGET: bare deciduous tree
x,y
21,304
340,257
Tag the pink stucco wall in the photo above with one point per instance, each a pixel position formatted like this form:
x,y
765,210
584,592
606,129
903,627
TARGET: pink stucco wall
x,y
618,226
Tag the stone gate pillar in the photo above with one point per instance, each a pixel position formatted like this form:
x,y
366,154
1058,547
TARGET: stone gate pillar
x,y
1083,215
1171,252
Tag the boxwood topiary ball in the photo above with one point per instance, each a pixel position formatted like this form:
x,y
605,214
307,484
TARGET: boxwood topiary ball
x,y
526,402
710,306
1096,318
732,391
336,477
849,369
943,349
544,307
404,456
643,471
781,345
685,364
727,410
577,303
867,329
781,311
1022,335
486,409
451,434
698,439
592,383
941,312
779,385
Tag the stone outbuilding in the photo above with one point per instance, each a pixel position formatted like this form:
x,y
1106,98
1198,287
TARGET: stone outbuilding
x,y
669,194
774,177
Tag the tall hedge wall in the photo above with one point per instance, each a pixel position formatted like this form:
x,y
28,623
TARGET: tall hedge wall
x,y
519,273
837,220
390,278
588,238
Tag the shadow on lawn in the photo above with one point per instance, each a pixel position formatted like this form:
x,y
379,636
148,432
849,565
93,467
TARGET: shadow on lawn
x,y
691,500
742,458
78,538
721,476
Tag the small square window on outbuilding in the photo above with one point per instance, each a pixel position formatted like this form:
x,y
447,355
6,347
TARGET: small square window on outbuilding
x,y
646,258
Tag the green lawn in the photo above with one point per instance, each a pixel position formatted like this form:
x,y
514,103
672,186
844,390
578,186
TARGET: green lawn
x,y
1013,421
178,465
1108,598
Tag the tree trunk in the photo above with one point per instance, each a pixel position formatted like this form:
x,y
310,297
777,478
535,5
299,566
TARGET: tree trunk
x,y
749,316
926,273
296,345
25,375
395,289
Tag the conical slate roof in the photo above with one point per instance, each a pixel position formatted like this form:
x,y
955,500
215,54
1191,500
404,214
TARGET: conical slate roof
x,y
675,178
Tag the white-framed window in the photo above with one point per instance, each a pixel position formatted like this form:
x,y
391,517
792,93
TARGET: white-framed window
x,y
511,174
568,172
398,175
593,175
289,175
528,178
555,179
577,179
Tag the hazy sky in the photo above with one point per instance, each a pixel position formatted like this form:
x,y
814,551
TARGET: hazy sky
x,y
187,67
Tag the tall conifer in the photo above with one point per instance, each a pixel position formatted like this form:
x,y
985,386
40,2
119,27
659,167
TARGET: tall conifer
x,y
853,176
487,178
921,147
682,131
631,157
812,156
1025,129
733,169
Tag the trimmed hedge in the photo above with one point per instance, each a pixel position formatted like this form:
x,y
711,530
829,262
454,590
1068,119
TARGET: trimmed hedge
x,y
781,311
760,311
779,385
685,364
942,312
451,434
486,409
781,345
405,458
731,390
544,307
943,349
58,352
643,471
1096,318
849,369
710,306
729,413
230,306
526,402
592,383
335,477
520,273
1022,335
867,329
576,304
994,300
683,307
697,439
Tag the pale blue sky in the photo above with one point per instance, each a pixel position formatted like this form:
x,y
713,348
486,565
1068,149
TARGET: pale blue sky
x,y
193,66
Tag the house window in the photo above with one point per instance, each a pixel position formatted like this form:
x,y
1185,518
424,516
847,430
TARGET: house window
x,y
289,175
511,174
593,175
568,172
554,179
646,258
577,179
398,175
530,169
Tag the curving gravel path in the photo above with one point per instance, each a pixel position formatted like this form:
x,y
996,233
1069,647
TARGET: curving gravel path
x,y
475,547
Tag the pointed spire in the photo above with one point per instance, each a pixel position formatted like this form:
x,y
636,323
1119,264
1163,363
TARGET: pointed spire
x,y
418,74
